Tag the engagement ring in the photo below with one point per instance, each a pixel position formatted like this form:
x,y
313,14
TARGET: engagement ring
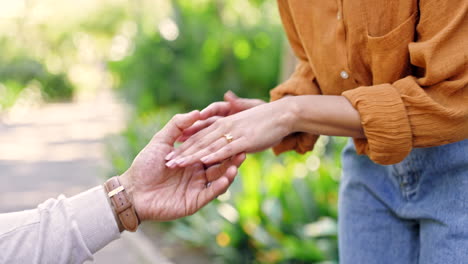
x,y
228,137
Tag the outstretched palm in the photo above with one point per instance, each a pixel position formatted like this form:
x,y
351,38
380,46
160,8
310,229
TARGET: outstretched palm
x,y
163,194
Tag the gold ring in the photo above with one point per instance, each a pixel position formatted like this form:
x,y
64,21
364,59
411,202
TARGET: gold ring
x,y
228,137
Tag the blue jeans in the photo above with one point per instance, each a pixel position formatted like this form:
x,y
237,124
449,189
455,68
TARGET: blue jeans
x,y
415,211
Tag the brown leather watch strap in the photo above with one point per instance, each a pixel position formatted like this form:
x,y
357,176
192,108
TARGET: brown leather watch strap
x,y
123,205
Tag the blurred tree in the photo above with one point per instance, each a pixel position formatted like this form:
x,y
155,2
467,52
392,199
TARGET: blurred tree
x,y
196,56
18,71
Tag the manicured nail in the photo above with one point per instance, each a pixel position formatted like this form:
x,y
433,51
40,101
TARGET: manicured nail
x,y
170,155
170,164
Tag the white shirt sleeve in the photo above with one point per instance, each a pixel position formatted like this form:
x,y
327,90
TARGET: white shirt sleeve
x,y
63,230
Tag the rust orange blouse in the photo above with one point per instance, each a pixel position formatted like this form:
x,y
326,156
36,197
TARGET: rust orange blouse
x,y
401,63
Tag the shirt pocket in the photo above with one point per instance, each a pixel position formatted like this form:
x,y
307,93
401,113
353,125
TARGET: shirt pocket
x,y
389,54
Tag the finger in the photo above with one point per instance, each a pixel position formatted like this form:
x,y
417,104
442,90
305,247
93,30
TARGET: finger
x,y
240,104
205,146
215,109
198,150
195,153
218,170
230,96
193,140
230,174
217,187
174,128
231,149
239,159
237,104
199,125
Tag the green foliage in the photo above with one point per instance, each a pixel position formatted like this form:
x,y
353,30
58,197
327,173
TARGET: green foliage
x,y
279,209
59,56
208,58
19,71
56,87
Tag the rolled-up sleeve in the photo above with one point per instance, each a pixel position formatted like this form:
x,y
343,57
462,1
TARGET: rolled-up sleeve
x,y
429,107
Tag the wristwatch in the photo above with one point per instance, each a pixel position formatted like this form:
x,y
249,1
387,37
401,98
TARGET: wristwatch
x,y
122,205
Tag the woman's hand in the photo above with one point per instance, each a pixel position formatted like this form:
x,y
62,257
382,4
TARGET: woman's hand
x,y
252,130
231,105
263,126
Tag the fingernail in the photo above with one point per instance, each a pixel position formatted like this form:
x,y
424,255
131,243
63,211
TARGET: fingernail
x,y
205,159
170,155
170,163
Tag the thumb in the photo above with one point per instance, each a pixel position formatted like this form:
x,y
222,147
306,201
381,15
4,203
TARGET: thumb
x,y
230,96
237,104
174,128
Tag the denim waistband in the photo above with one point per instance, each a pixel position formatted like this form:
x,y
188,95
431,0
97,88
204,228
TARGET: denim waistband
x,y
428,162
436,159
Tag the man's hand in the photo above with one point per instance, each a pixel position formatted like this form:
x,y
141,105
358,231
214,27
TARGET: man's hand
x,y
231,105
162,194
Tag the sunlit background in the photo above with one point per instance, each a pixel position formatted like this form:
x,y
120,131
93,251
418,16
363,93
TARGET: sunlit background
x,y
85,84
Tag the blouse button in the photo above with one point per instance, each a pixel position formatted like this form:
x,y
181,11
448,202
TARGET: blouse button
x,y
344,75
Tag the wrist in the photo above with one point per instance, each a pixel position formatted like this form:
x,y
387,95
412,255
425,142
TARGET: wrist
x,y
122,202
291,114
126,181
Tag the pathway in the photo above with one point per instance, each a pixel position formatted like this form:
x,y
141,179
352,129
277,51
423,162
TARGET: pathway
x,y
59,148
